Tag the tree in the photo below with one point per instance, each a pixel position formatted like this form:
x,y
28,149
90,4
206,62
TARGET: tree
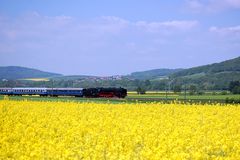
x,y
177,88
140,90
234,87
192,89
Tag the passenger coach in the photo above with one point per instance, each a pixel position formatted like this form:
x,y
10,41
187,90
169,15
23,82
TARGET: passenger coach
x,y
77,92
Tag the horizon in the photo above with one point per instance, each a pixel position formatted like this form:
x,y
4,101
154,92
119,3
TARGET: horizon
x,y
118,74
117,38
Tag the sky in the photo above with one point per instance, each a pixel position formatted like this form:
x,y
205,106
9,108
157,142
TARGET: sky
x,y
93,37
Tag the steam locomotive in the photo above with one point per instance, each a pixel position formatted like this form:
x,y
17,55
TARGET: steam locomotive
x,y
77,92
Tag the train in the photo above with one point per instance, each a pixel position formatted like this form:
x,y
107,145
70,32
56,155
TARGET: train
x,y
76,92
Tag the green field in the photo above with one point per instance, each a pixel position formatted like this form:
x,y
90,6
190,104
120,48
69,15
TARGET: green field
x,y
134,97
182,96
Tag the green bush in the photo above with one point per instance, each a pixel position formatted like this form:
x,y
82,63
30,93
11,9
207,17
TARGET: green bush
x,y
224,93
232,100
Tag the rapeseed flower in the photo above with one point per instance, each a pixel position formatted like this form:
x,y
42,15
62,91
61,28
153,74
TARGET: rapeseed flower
x,y
71,130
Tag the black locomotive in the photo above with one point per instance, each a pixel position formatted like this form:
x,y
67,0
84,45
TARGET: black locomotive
x,y
105,92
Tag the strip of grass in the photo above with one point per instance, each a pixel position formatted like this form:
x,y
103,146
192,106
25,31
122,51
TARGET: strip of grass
x,y
76,99
133,98
191,97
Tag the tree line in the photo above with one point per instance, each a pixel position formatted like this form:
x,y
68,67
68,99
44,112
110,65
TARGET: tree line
x,y
132,85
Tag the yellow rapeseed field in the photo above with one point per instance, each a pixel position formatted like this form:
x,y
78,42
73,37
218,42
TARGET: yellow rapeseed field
x,y
70,130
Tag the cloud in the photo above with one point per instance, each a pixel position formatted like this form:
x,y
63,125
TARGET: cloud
x,y
212,5
226,31
167,25
109,24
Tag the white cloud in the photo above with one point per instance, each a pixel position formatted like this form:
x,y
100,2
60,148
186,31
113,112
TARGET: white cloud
x,y
235,30
212,5
110,24
113,19
233,3
167,25
195,5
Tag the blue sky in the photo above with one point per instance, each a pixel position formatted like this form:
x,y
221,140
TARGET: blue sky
x,y
117,37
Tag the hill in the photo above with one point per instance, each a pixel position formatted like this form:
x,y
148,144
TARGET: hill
x,y
15,72
153,74
212,76
232,65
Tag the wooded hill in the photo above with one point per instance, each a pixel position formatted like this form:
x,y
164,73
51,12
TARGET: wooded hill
x,y
212,76
153,74
16,72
